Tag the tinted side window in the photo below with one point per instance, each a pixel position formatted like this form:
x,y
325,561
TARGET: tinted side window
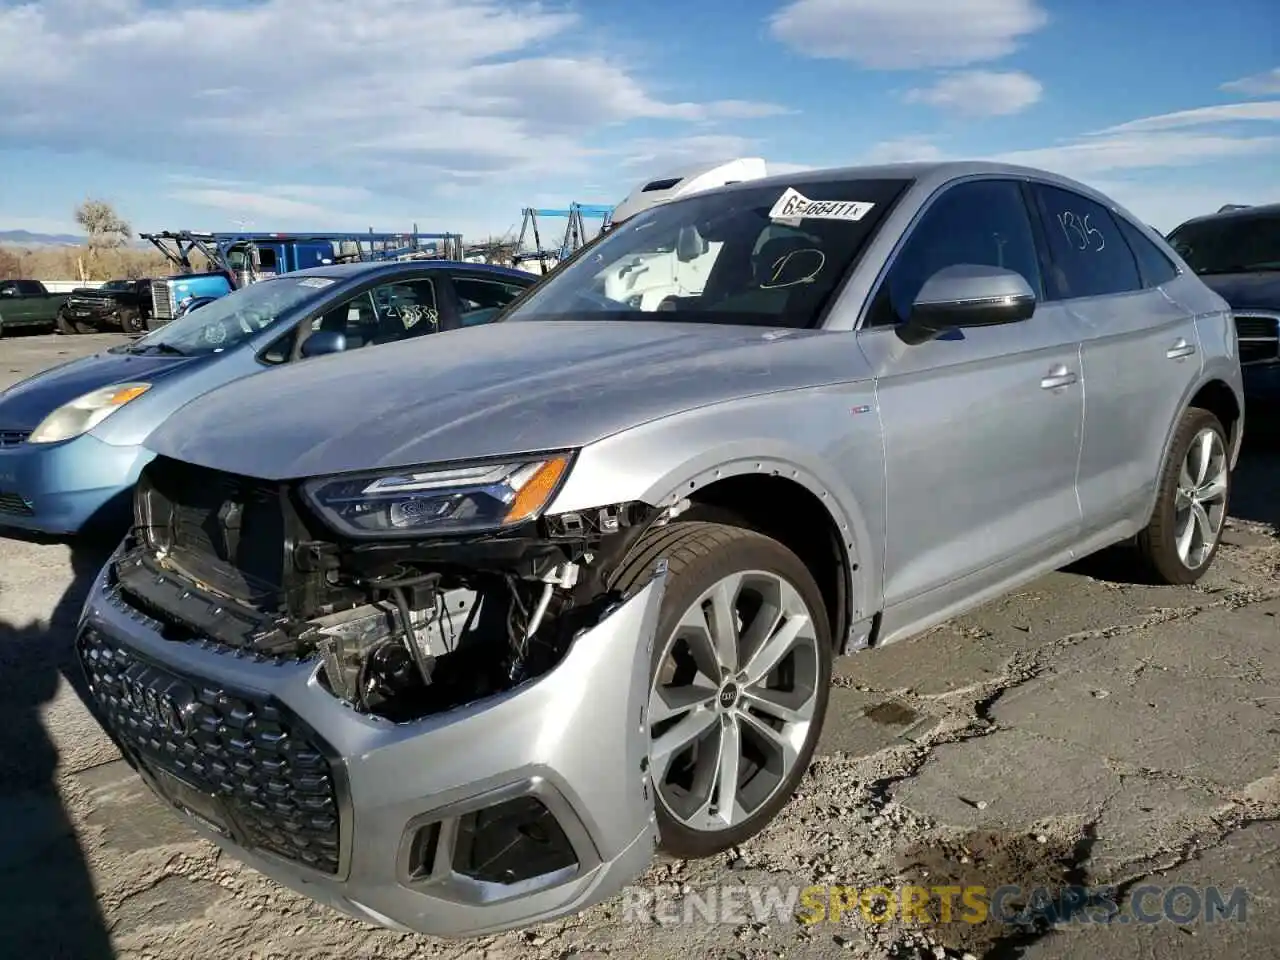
x,y
984,223
481,299
384,314
1090,255
1155,267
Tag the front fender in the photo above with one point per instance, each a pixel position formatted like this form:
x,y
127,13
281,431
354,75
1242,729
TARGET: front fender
x,y
827,440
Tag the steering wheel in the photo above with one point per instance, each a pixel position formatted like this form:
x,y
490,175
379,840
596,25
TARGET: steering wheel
x,y
599,300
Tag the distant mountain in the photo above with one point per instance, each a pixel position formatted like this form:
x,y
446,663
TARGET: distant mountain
x,y
25,238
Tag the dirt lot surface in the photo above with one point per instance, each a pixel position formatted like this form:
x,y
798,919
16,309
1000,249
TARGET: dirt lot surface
x,y
1087,730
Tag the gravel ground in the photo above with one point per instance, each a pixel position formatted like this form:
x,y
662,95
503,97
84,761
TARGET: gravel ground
x,y
1086,730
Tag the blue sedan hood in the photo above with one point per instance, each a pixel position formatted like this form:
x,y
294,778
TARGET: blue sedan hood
x,y
26,403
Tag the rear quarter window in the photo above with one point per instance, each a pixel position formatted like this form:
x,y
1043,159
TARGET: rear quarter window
x,y
1091,257
1156,268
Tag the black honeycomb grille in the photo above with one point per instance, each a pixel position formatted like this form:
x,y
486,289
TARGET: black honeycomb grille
x,y
272,781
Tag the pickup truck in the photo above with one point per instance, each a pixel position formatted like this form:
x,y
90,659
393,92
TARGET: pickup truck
x,y
116,305
26,303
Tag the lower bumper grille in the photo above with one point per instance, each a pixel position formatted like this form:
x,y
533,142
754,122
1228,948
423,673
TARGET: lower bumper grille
x,y
11,438
14,505
271,779
1259,337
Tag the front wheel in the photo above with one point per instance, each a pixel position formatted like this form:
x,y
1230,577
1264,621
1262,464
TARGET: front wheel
x,y
738,682
1185,530
62,323
132,321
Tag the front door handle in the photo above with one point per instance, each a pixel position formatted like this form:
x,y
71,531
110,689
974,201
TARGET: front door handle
x,y
1180,349
1059,376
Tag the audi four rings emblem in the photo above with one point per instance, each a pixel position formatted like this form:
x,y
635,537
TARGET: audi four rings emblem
x,y
173,708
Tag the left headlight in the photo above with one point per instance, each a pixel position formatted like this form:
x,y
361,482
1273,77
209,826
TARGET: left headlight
x,y
84,413
447,500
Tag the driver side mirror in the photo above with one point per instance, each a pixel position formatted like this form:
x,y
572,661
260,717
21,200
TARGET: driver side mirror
x,y
967,295
323,342
690,244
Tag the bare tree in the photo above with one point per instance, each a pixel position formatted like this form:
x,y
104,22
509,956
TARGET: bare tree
x,y
105,229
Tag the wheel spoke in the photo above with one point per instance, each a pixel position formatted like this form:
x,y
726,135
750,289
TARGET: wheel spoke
x,y
1204,456
1200,520
784,705
724,623
683,733
730,761
772,652
670,702
1214,490
1185,536
694,630
1185,481
772,741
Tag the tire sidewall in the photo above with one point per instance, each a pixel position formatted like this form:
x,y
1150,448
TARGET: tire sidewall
x,y
754,553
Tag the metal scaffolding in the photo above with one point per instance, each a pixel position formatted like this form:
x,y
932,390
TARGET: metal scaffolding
x,y
575,234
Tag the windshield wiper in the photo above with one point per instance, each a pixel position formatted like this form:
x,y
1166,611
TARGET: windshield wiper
x,y
163,348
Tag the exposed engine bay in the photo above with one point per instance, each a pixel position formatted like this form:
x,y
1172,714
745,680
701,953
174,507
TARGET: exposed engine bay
x,y
401,629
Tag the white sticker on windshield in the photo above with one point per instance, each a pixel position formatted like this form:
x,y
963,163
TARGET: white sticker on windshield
x,y
317,282
793,206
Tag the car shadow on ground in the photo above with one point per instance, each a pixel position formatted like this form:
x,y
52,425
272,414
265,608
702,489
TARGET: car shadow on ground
x,y
48,905
1255,496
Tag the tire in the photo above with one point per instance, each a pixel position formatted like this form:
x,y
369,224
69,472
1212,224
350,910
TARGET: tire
x,y
62,324
1159,544
700,556
132,321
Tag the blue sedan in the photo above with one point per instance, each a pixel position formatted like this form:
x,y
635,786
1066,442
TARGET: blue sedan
x,y
71,436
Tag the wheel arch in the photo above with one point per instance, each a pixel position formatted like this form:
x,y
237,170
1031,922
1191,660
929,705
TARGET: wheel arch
x,y
1215,394
816,518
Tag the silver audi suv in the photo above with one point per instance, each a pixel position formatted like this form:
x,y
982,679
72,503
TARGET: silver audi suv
x,y
450,634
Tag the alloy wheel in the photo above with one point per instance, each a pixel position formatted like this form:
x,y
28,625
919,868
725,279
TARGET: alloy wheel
x,y
733,699
1200,504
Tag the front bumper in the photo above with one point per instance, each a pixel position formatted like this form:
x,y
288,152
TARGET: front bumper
x,y
369,816
63,488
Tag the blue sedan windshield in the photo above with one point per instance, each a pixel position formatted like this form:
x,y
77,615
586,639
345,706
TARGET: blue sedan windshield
x,y
232,319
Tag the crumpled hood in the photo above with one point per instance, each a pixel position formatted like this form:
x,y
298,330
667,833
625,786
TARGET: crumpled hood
x,y
1247,291
488,391
29,401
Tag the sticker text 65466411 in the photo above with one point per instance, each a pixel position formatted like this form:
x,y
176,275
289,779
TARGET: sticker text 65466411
x,y
793,206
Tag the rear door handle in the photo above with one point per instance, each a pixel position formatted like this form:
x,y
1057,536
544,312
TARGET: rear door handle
x,y
1059,376
1180,349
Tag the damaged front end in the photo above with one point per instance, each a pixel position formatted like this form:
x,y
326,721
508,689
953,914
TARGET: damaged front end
x,y
405,625
462,712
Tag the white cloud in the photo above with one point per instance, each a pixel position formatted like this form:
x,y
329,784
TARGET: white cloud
x,y
1265,84
399,94
980,93
1200,117
655,157
1139,151
907,34
1164,206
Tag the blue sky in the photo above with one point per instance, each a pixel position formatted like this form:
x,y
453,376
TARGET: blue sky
x,y
455,114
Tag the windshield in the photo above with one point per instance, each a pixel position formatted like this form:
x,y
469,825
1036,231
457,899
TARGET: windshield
x,y
230,320
1235,244
764,256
